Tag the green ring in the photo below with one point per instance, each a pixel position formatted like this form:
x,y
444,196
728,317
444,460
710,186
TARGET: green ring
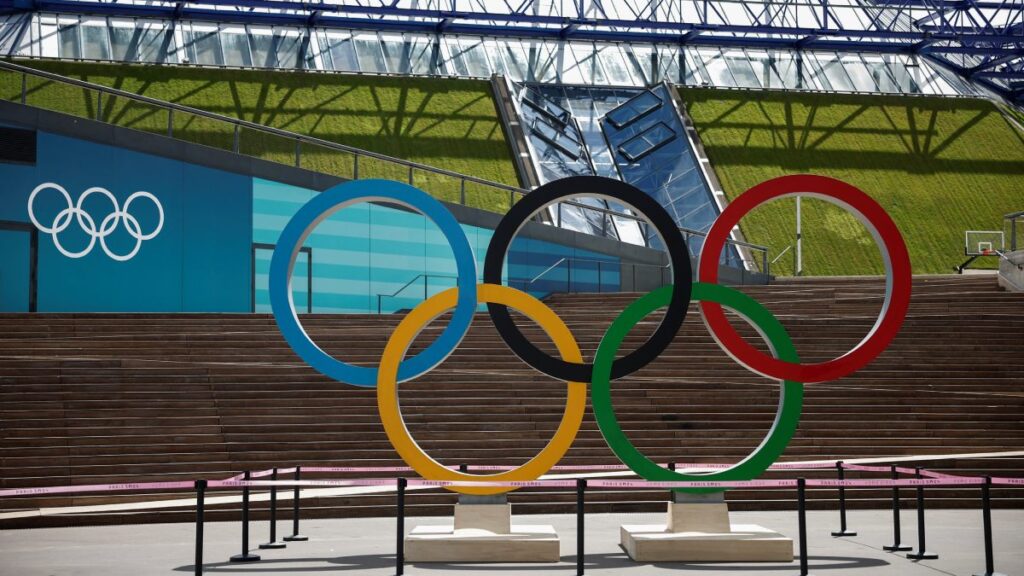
x,y
790,401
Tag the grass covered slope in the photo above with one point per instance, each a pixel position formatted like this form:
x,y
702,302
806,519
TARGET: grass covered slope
x,y
445,123
939,166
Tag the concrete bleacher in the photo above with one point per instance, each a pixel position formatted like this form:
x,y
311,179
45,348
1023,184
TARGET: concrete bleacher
x,y
96,398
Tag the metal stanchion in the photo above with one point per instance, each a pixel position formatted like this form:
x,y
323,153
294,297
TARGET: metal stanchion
x,y
295,536
245,556
922,551
896,545
842,504
400,544
273,543
200,508
581,488
986,518
801,508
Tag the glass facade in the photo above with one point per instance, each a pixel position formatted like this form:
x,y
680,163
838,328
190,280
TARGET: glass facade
x,y
51,35
632,135
571,115
648,144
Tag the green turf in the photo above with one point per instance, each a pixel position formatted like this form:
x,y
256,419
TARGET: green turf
x,y
939,166
445,123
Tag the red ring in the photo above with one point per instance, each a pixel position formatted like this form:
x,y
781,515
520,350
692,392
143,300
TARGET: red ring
x,y
894,308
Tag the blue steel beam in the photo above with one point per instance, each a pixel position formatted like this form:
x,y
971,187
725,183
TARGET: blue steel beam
x,y
523,32
981,40
497,24
933,4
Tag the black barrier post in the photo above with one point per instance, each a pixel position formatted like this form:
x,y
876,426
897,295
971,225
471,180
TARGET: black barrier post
x,y
896,546
801,508
296,537
463,468
986,518
245,556
400,544
672,466
922,552
842,504
273,543
200,508
581,488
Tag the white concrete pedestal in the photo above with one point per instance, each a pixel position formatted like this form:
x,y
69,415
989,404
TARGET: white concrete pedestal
x,y
701,532
482,533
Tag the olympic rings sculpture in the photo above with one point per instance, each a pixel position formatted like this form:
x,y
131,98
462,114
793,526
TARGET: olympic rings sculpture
x,y
88,224
782,363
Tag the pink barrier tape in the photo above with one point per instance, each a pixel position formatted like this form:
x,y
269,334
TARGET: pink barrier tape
x,y
884,469
570,483
789,466
896,483
131,487
264,473
610,468
301,483
591,467
737,484
933,474
903,470
580,468
863,468
606,483
357,469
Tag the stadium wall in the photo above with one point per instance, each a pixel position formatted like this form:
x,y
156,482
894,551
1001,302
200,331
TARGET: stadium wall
x,y
219,209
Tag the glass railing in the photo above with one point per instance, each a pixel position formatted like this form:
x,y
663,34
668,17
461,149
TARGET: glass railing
x,y
1015,221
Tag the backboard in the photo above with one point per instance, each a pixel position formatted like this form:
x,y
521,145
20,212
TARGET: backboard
x,y
983,242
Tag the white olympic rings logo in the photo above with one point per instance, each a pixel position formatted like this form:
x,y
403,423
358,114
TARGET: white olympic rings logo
x,y
107,226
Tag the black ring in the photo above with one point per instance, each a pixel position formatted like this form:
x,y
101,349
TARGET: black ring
x,y
679,256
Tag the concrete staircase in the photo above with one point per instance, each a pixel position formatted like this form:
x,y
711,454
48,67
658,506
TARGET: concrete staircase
x,y
96,398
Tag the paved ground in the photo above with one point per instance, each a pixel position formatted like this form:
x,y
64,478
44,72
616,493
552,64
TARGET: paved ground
x,y
366,546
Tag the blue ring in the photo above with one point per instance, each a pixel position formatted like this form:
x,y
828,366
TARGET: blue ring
x,y
322,206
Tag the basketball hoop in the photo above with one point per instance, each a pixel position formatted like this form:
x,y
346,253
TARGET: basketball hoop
x,y
980,243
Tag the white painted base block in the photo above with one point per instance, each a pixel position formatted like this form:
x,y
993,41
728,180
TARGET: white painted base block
x,y
523,543
744,543
698,517
495,518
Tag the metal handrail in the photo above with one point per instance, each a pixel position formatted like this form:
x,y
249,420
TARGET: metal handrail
x,y
1002,255
570,259
546,270
786,249
426,280
300,138
251,125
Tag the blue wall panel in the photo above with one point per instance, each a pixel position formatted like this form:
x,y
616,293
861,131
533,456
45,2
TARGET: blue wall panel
x,y
14,270
217,224
213,252
370,254
198,262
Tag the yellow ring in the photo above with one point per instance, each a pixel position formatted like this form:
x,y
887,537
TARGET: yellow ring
x,y
391,414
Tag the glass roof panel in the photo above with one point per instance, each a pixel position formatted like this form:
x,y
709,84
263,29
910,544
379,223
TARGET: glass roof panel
x,y
647,142
634,109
